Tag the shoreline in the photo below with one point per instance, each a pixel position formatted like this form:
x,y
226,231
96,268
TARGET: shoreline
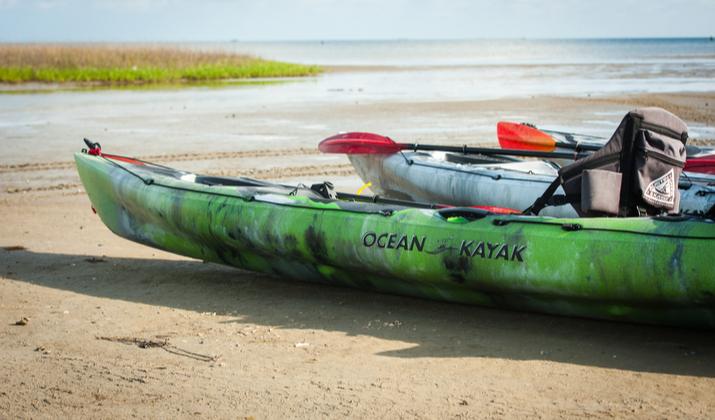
x,y
295,71
50,87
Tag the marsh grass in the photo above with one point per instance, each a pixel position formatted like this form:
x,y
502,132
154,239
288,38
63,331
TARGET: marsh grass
x,y
117,65
43,88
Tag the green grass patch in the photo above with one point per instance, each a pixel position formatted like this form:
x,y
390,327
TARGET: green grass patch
x,y
132,65
207,72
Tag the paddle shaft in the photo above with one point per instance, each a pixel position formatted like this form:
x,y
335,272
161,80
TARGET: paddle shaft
x,y
590,147
578,146
490,151
570,136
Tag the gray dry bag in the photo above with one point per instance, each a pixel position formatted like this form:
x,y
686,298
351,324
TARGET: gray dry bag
x,y
635,174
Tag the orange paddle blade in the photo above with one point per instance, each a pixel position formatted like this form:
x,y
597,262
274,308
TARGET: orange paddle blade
x,y
523,137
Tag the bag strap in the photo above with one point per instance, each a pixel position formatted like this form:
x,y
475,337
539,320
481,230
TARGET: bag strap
x,y
543,201
627,205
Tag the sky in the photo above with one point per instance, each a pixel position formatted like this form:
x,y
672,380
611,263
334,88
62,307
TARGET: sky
x,y
244,20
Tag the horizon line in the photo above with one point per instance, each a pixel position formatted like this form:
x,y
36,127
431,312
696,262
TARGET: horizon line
x,y
397,39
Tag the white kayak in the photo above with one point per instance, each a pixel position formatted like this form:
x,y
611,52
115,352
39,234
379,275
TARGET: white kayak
x,y
461,180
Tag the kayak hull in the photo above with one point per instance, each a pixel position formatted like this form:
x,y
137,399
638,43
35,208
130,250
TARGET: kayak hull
x,y
600,268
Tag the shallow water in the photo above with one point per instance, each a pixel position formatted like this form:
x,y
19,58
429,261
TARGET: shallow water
x,y
478,52
480,69
477,70
405,91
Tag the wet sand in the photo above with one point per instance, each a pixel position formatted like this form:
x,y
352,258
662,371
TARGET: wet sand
x,y
116,329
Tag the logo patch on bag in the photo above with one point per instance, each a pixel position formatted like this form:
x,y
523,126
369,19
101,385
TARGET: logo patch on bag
x,y
661,192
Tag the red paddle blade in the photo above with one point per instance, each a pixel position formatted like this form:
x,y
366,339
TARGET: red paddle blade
x,y
357,143
704,165
523,137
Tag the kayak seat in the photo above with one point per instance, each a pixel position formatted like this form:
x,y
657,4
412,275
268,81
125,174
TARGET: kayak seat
x,y
634,174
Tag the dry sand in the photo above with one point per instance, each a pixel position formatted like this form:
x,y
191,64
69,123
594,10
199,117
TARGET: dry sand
x,y
116,329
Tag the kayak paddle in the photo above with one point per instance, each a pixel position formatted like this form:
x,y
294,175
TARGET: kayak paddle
x,y
527,137
356,143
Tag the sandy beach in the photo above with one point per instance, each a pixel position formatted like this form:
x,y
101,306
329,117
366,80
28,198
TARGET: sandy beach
x,y
110,328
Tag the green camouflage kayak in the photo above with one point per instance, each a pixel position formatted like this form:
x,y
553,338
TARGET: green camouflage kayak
x,y
651,270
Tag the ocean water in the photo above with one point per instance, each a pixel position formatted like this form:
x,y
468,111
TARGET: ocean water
x,y
481,52
485,69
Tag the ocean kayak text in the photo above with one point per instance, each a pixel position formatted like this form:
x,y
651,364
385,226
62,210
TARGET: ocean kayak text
x,y
471,249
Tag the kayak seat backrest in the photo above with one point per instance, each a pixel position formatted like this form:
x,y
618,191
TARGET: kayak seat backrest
x,y
635,173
